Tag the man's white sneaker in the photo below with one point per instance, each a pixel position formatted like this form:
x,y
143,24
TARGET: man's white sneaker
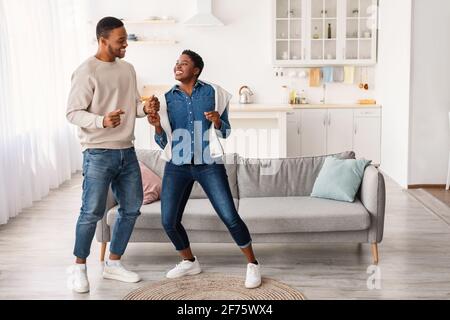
x,y
77,280
185,268
116,271
253,278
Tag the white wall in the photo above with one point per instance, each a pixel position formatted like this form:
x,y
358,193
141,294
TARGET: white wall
x,y
415,103
430,92
237,54
393,86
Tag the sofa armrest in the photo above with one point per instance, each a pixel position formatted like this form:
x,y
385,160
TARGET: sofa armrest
x,y
103,232
373,197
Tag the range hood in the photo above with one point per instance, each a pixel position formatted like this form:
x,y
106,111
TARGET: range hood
x,y
204,16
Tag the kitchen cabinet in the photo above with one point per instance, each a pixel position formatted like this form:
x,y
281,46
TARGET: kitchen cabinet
x,y
339,130
366,139
289,31
325,131
359,31
313,132
324,32
293,134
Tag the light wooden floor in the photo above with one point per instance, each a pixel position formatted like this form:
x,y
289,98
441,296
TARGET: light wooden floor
x,y
36,247
441,194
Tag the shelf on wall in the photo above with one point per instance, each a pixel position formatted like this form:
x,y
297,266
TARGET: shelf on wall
x,y
155,42
160,21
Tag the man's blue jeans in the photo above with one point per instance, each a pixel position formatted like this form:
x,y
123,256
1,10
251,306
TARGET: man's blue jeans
x,y
102,168
177,185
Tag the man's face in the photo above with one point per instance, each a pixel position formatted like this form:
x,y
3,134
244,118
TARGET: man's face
x,y
116,43
184,68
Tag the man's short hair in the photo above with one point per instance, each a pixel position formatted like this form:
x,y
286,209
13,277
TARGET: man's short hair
x,y
195,57
106,25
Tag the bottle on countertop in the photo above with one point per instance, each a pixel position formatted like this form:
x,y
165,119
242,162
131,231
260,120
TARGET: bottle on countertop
x,y
303,97
285,95
292,96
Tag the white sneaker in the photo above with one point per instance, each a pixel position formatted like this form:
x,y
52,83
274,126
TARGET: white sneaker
x,y
116,271
185,268
253,279
77,280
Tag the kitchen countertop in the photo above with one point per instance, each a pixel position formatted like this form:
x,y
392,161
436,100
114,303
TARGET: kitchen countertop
x,y
253,107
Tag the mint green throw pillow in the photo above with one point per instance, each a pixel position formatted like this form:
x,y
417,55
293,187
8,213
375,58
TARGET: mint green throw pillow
x,y
339,179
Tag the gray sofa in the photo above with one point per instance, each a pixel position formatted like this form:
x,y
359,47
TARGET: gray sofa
x,y
272,197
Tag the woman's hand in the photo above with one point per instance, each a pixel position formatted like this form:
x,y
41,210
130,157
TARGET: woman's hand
x,y
154,120
214,117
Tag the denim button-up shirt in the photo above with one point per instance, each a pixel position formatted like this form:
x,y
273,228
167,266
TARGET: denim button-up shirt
x,y
189,124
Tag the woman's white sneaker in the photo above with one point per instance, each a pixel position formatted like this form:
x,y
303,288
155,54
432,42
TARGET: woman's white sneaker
x,y
77,280
253,278
185,268
116,271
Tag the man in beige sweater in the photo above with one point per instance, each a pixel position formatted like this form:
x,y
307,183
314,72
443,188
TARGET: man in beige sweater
x,y
104,103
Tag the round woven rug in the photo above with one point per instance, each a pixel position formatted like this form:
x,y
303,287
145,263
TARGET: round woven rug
x,y
214,286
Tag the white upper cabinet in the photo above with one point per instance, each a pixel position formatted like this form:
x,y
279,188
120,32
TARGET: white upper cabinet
x,y
323,26
289,31
360,31
324,32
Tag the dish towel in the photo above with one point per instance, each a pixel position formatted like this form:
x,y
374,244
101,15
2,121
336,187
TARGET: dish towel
x,y
349,74
327,74
338,74
314,77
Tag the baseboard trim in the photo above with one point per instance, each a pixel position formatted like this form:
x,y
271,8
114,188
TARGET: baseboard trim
x,y
426,186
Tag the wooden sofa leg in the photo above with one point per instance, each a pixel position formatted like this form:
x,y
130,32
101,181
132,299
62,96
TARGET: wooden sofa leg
x,y
103,251
375,253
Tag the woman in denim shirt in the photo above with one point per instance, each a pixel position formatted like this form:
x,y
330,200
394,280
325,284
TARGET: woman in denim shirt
x,y
190,113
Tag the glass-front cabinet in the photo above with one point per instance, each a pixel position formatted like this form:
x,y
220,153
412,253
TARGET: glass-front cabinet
x,y
324,32
289,30
360,30
323,27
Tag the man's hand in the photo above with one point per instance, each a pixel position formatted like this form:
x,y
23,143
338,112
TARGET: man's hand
x,y
214,117
112,119
151,106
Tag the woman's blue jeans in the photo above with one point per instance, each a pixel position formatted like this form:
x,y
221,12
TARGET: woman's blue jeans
x,y
177,185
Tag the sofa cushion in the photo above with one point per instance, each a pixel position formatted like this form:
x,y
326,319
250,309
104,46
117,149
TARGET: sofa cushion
x,y
302,214
288,177
151,184
199,214
340,179
265,215
152,159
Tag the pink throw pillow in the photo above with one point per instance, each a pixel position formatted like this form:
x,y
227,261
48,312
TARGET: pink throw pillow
x,y
151,184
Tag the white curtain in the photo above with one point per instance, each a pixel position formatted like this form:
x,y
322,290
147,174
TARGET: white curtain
x,y
41,43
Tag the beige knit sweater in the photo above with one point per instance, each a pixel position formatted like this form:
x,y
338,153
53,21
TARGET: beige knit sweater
x,y
99,88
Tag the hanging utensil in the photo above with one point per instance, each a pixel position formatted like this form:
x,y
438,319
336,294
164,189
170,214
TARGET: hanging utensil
x,y
361,84
366,84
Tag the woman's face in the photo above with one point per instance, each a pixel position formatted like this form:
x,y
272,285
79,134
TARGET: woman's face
x,y
184,69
